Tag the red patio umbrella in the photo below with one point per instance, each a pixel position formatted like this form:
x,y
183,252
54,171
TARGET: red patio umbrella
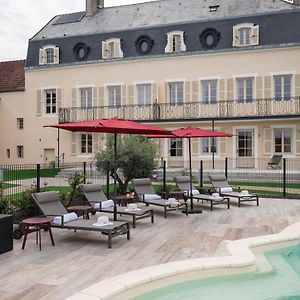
x,y
114,126
192,132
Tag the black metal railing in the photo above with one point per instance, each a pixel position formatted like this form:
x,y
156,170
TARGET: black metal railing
x,y
186,111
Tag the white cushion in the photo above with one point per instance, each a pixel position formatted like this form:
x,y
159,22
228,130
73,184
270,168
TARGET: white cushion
x,y
194,192
67,218
150,197
104,204
226,190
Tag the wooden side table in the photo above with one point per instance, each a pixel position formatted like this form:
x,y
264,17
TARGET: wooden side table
x,y
81,209
178,195
123,199
37,224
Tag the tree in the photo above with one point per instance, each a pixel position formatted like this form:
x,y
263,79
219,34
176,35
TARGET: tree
x,y
135,158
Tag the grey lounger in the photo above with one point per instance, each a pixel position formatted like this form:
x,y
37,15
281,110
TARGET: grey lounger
x,y
183,182
143,187
94,194
220,184
51,206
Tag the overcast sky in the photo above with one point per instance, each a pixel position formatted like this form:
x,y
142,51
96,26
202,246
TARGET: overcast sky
x,y
21,19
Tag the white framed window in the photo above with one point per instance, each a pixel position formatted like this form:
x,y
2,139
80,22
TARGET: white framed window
x,y
176,92
245,34
283,140
282,87
86,143
111,48
114,96
86,97
175,42
144,94
244,90
49,55
176,147
209,145
209,91
50,102
20,151
20,123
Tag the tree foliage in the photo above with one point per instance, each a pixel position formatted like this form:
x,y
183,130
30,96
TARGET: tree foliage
x,y
135,158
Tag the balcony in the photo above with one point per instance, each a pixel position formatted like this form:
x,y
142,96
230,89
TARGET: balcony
x,y
258,108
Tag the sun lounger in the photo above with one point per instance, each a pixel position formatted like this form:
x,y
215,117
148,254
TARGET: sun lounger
x,y
146,194
221,185
183,182
97,199
275,161
51,206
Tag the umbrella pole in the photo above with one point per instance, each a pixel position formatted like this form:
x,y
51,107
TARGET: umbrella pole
x,y
115,177
191,175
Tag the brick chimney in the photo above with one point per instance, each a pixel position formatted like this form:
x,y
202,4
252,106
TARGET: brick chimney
x,y
93,5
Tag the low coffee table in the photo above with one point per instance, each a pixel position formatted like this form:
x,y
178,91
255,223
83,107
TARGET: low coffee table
x,y
37,224
84,209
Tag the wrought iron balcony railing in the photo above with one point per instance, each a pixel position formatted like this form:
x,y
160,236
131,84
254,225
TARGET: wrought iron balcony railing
x,y
187,111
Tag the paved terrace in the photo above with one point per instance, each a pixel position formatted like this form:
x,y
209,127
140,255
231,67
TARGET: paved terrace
x,y
81,259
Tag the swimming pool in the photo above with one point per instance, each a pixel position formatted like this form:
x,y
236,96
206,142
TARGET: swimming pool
x,y
281,282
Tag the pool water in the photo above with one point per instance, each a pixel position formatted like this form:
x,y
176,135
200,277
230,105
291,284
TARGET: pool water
x,y
283,283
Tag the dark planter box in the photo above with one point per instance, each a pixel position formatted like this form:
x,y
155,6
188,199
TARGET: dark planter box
x,y
6,233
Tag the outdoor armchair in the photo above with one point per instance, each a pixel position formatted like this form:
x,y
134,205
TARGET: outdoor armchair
x,y
51,206
183,182
98,200
221,185
146,194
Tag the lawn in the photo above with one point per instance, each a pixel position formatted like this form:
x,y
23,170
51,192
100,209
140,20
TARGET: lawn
x,y
19,174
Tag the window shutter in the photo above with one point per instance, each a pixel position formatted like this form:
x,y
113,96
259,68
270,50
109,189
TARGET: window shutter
x,y
154,93
118,49
105,50
268,87
268,141
187,91
96,140
235,37
74,144
230,92
222,149
39,102
94,96
56,55
58,99
255,35
298,140
297,85
101,96
259,87
221,85
168,48
74,98
195,146
195,91
123,96
42,57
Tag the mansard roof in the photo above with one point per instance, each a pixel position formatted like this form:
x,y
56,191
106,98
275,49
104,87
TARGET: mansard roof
x,y
156,14
12,76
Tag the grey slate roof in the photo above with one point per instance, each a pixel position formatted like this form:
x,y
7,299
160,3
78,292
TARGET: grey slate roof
x,y
158,13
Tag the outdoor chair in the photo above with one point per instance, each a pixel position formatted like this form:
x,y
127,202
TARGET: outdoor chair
x,y
221,185
275,162
51,206
183,182
98,200
146,194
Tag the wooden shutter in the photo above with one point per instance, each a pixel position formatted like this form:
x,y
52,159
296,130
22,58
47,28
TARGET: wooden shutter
x,y
96,139
268,87
42,57
221,85
259,87
123,95
195,146
268,141
58,99
230,91
195,91
222,149
39,102
298,140
297,85
74,144
56,55
235,37
94,96
105,50
168,48
187,92
255,35
74,97
154,93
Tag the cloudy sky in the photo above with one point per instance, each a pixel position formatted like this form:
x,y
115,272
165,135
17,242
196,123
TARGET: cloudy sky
x,y
21,19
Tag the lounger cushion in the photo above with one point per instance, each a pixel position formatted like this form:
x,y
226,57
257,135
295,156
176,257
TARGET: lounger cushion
x,y
194,192
104,204
226,189
150,197
67,218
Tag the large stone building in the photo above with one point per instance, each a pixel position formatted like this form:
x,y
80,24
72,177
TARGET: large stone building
x,y
231,63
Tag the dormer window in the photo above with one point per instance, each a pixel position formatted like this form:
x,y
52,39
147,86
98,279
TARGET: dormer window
x,y
175,42
49,55
112,49
246,34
